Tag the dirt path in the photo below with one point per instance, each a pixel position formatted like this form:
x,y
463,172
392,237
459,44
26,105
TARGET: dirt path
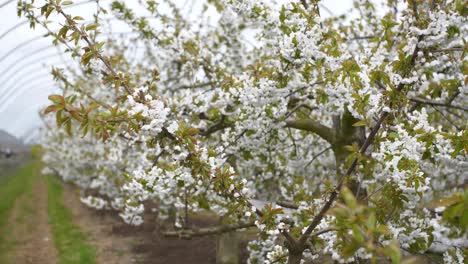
x,y
111,247
28,227
119,243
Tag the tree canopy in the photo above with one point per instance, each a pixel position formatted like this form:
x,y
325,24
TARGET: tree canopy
x,y
342,136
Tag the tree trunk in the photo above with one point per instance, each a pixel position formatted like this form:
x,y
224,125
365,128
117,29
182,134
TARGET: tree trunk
x,y
227,247
294,257
347,134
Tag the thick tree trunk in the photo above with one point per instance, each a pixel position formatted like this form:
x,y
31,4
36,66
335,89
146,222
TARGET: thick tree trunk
x,y
347,134
294,258
227,247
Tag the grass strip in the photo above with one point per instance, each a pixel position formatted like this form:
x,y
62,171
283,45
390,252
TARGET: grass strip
x,y
71,243
12,187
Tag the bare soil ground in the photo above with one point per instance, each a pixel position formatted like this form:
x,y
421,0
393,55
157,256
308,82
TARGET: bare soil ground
x,y
29,230
119,243
111,248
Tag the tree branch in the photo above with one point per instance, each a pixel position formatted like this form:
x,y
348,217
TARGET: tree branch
x,y
189,233
435,103
316,156
313,126
220,125
194,86
287,204
318,233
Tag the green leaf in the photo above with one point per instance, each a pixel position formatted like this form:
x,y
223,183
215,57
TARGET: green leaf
x,y
65,3
357,234
411,260
203,203
180,183
349,198
86,57
360,123
72,98
51,108
350,248
393,251
58,99
339,212
352,148
393,135
92,26
464,220
58,117
371,221
63,31
68,126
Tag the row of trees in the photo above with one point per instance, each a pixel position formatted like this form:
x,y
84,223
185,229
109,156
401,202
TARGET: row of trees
x,y
342,136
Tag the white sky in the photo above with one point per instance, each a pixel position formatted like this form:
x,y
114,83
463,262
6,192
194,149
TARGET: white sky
x,y
25,80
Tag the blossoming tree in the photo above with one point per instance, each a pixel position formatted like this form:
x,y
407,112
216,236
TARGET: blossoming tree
x,y
342,136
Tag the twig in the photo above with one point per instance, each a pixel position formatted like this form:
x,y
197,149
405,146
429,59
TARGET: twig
x,y
435,103
189,233
374,192
446,118
216,127
321,232
287,205
316,156
194,86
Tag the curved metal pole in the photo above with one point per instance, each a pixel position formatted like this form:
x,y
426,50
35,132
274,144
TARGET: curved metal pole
x,y
6,84
49,46
41,60
45,85
18,88
12,89
22,44
6,3
20,115
24,75
29,73
16,64
31,134
15,89
31,131
14,78
10,101
28,55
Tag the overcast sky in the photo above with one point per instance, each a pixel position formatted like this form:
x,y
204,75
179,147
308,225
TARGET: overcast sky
x,y
26,59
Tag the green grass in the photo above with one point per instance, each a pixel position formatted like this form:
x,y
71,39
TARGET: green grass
x,y
12,187
70,241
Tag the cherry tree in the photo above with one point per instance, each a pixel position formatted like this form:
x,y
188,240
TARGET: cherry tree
x,y
341,137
